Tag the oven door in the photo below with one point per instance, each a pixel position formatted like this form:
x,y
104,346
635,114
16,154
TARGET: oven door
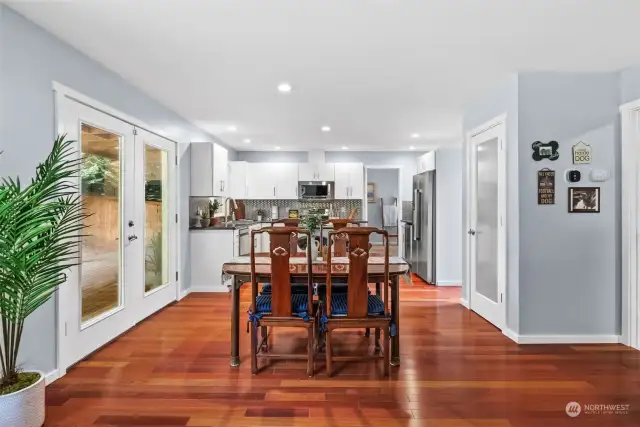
x,y
245,242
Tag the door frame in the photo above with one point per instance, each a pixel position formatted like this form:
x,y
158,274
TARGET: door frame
x,y
60,92
630,185
499,121
365,213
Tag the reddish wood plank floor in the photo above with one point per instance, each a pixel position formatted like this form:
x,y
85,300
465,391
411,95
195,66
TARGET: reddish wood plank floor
x,y
457,371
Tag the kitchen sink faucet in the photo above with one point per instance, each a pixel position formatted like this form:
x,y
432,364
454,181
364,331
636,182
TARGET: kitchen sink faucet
x,y
226,210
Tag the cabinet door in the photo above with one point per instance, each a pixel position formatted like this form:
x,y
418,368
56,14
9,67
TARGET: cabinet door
x,y
341,190
326,171
286,180
356,181
261,181
201,169
237,180
220,170
307,172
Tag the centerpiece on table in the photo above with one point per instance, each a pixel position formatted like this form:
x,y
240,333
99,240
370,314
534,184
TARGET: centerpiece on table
x,y
312,223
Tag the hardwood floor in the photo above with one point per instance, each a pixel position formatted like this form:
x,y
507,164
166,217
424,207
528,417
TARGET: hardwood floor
x,y
457,371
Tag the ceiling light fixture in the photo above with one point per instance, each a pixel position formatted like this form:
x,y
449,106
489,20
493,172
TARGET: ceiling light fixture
x,y
246,141
232,128
412,148
344,147
284,88
415,135
325,129
277,147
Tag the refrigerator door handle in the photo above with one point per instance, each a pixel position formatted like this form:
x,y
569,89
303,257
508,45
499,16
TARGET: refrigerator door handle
x,y
417,214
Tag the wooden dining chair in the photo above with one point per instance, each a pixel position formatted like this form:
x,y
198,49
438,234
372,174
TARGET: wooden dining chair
x,y
357,308
281,307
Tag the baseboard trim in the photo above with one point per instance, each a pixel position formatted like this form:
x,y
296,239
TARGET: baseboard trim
x,y
184,293
562,339
449,283
464,302
208,288
51,377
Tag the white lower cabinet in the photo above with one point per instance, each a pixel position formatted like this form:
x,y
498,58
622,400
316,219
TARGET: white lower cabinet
x,y
209,250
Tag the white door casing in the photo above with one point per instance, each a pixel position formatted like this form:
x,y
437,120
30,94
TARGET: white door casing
x,y
486,233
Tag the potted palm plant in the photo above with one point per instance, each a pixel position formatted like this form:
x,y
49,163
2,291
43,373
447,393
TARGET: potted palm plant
x,y
40,226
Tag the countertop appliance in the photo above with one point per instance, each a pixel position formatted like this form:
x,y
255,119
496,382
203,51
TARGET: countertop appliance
x,y
423,254
315,190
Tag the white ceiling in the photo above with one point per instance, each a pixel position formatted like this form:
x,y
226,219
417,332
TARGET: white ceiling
x,y
375,71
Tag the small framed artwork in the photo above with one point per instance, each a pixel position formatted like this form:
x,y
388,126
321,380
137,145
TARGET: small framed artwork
x,y
371,192
584,199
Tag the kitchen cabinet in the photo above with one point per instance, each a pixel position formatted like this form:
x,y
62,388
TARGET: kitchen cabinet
x,y
209,170
316,172
267,181
238,180
427,162
209,250
349,181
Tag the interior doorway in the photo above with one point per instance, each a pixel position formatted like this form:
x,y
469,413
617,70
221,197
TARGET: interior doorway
x,y
128,255
486,201
384,205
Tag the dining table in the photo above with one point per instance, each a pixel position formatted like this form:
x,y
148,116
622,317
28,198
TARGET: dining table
x,y
237,273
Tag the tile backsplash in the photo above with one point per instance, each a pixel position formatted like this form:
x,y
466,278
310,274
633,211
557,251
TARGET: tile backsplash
x,y
341,208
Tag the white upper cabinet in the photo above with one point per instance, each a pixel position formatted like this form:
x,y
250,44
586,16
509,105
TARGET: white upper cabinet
x,y
209,170
286,175
349,181
316,172
238,180
261,181
427,162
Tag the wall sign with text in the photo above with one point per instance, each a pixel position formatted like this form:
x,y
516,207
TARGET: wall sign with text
x,y
581,153
545,150
546,187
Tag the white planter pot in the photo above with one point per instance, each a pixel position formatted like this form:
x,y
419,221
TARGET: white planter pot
x,y
24,408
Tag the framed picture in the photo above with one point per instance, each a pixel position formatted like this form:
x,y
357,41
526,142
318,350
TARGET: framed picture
x,y
584,199
371,192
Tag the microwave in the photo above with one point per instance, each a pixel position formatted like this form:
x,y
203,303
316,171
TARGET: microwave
x,y
309,190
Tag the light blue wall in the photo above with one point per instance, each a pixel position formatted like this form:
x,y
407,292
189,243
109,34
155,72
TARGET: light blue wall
x,y
569,263
449,216
502,100
30,60
386,182
629,84
273,156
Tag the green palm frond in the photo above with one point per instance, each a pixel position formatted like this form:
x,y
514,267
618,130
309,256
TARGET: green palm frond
x,y
40,229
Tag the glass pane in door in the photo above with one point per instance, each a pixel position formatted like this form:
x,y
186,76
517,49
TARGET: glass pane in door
x,y
100,177
156,266
487,219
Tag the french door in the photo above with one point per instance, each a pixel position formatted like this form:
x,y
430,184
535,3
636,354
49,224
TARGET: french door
x,y
127,253
487,225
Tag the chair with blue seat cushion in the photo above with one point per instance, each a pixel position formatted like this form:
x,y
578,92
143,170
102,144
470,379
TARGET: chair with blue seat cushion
x,y
357,308
279,306
296,288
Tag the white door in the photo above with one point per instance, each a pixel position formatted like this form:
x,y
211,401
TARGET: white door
x,y
126,181
487,224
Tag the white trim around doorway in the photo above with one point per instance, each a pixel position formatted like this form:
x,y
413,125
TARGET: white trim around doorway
x,y
60,92
630,118
465,299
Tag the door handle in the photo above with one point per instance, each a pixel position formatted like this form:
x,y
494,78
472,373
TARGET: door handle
x,y
471,232
274,191
132,237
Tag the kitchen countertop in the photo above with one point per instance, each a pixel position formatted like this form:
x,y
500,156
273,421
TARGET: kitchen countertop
x,y
223,228
406,221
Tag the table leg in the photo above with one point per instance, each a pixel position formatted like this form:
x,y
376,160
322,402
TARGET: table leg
x,y
235,323
395,313
377,341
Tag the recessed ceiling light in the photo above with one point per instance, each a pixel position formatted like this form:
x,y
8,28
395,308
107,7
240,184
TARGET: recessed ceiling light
x,y
246,141
284,88
344,147
277,147
412,148
415,135
232,128
325,129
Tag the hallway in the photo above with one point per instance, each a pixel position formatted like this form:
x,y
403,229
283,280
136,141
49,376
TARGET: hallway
x,y
457,370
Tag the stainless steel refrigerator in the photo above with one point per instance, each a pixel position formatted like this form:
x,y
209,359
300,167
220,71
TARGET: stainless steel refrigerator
x,y
423,254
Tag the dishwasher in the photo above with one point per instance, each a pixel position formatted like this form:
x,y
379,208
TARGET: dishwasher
x,y
244,238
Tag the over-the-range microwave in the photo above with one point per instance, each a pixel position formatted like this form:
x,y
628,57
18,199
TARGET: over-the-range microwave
x,y
315,190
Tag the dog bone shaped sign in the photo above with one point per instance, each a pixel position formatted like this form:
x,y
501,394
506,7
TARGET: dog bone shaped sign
x,y
547,150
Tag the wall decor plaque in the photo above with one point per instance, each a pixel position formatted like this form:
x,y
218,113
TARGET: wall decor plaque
x,y
584,199
546,187
581,153
545,150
